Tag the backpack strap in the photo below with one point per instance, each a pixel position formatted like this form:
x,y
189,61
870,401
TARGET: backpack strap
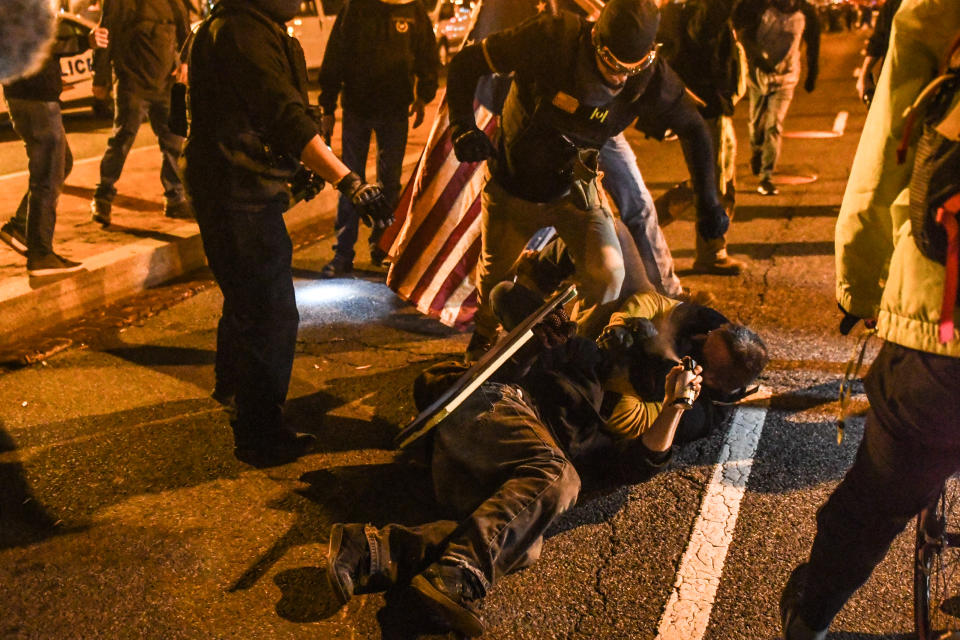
x,y
949,69
947,218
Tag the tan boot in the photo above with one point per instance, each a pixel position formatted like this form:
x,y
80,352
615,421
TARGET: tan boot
x,y
712,258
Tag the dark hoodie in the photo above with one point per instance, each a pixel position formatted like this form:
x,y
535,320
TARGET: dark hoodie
x,y
145,38
248,101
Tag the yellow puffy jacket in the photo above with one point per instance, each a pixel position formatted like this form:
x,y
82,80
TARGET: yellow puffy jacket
x,y
880,271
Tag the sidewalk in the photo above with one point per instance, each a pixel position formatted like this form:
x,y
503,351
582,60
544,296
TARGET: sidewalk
x,y
141,249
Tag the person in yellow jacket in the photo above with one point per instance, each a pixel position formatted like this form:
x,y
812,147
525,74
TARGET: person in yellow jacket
x,y
911,441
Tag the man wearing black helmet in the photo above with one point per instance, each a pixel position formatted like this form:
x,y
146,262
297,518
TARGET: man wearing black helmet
x,y
576,85
250,133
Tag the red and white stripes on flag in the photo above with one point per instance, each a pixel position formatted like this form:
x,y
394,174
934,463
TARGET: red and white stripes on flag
x,y
436,237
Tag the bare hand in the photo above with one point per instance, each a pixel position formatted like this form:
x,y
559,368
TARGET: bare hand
x,y
417,110
679,379
181,74
99,38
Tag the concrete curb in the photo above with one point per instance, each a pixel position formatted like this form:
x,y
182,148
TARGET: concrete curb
x,y
28,306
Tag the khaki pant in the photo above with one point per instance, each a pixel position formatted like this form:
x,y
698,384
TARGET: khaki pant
x,y
508,223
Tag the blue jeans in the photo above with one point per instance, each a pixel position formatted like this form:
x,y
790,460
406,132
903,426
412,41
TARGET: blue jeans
x,y
769,103
622,180
250,255
40,126
130,112
391,132
911,444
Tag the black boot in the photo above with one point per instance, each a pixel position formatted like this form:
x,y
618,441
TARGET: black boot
x,y
352,568
453,593
794,627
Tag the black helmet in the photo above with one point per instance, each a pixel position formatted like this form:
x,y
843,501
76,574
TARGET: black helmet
x,y
625,33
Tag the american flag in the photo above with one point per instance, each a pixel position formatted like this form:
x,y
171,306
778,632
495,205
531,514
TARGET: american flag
x,y
434,244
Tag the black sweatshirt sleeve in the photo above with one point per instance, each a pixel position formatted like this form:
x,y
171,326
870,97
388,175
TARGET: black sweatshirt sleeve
x,y
666,105
811,36
331,69
466,69
426,58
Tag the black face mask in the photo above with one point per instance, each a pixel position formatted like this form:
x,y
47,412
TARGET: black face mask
x,y
280,10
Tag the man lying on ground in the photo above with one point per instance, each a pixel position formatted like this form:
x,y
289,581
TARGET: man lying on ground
x,y
506,461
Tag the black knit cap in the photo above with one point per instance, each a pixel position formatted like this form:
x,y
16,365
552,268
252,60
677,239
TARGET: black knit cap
x,y
628,28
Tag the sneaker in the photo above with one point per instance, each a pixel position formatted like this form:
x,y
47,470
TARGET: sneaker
x,y
756,162
180,210
792,625
282,448
720,266
452,593
101,211
50,265
336,268
348,560
767,188
14,236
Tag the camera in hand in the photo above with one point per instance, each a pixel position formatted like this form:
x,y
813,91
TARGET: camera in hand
x,y
689,394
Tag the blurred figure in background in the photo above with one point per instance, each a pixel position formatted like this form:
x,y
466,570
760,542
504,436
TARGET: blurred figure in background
x,y
771,32
146,37
34,104
382,55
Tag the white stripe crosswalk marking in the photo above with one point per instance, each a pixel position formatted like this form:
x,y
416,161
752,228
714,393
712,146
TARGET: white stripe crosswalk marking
x,y
688,610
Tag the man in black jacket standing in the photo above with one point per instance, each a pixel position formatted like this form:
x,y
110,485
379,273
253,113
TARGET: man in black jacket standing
x,y
576,85
382,55
250,133
146,36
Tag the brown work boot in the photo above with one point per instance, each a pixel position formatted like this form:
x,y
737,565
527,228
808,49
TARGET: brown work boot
x,y
712,258
452,593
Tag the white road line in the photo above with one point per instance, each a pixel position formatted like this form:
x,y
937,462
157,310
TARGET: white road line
x,y
77,163
840,122
688,610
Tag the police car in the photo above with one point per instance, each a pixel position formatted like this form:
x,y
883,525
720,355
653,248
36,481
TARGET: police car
x,y
77,70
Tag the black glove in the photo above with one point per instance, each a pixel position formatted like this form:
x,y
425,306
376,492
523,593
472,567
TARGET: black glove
x,y
367,199
616,338
811,82
849,321
470,144
555,329
713,222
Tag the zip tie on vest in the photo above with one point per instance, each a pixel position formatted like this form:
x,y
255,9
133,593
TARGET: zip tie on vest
x,y
853,371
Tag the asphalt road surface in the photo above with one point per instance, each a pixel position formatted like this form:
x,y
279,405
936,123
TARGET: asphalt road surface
x,y
123,513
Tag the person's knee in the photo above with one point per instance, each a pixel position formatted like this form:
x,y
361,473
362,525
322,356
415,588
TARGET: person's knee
x,y
605,278
564,492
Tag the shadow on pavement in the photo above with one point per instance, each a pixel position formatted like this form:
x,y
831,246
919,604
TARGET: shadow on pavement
x,y
152,355
121,201
23,520
398,492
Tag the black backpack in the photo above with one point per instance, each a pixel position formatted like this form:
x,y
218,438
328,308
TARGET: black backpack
x,y
935,179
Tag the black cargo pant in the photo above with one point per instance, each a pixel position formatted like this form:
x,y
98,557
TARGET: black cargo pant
x,y
250,254
498,466
911,444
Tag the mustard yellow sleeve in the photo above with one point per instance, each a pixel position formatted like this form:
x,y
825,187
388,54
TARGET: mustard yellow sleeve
x,y
631,417
648,304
